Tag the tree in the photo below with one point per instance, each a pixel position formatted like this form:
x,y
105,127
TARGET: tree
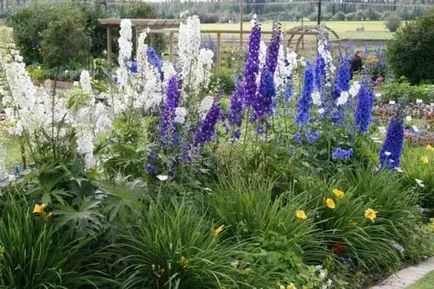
x,y
339,16
411,53
66,40
392,22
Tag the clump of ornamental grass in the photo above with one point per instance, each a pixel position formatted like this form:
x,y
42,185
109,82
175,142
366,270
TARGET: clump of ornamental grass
x,y
174,246
418,167
282,226
378,217
32,253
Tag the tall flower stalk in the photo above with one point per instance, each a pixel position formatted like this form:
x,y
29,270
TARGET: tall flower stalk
x,y
173,98
365,99
266,94
341,89
206,130
251,68
236,110
305,100
390,154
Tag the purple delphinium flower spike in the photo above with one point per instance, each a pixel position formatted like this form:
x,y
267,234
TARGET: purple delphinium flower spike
x,y
251,68
262,104
365,99
273,48
390,154
206,129
320,72
305,99
236,109
173,97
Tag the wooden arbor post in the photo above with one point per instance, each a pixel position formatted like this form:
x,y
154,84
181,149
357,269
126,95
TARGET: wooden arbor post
x,y
109,45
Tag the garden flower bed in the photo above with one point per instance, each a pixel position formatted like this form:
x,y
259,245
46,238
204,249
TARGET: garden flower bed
x,y
162,181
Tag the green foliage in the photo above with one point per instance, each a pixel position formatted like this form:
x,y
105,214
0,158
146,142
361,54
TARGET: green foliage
x,y
395,89
409,53
392,22
172,246
65,40
415,168
340,15
51,34
225,80
76,98
398,218
277,240
28,23
97,31
128,148
33,253
137,10
146,11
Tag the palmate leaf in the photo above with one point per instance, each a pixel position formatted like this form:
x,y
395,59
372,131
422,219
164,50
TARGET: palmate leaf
x,y
83,219
124,198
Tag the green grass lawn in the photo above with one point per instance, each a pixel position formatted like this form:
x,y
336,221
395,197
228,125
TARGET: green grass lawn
x,y
345,29
12,151
427,282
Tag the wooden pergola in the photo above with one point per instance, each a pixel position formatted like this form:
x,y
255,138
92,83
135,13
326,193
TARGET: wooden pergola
x,y
138,25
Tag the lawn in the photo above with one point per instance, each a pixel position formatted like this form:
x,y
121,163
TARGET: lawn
x,y
345,29
427,282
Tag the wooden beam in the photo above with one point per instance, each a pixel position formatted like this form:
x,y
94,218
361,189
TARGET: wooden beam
x,y
218,53
171,47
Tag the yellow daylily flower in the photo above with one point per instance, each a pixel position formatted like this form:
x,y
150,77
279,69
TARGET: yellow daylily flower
x,y
301,215
218,230
39,209
424,160
291,286
338,194
370,214
429,148
330,203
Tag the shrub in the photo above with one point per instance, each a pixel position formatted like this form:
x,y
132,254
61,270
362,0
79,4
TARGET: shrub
x,y
410,52
392,22
27,23
65,40
97,31
51,34
394,90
